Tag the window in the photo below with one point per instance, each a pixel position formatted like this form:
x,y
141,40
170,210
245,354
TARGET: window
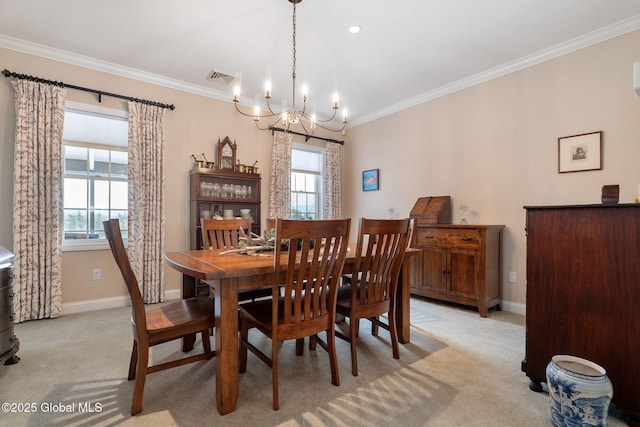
x,y
306,182
95,187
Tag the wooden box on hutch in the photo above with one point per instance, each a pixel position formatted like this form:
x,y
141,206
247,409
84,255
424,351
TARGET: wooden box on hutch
x,y
432,210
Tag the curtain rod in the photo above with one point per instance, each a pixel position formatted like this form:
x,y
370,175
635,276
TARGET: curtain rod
x,y
100,93
306,136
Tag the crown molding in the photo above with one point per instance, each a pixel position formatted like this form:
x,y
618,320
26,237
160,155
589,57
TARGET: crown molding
x,y
107,67
598,36
595,37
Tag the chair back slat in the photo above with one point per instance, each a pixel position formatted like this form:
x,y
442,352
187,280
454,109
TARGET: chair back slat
x,y
382,244
315,259
114,236
223,234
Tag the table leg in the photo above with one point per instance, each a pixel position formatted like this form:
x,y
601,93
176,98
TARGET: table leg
x,y
403,302
188,291
226,360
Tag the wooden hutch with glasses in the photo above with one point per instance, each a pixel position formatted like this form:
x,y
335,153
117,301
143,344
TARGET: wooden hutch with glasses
x,y
216,193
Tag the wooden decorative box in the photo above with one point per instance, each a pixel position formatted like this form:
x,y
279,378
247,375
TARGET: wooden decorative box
x,y
432,210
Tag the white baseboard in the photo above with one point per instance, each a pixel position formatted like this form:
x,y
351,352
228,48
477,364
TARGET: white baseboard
x,y
514,307
101,304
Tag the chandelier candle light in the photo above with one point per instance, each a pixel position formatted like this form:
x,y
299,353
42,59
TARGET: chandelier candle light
x,y
289,116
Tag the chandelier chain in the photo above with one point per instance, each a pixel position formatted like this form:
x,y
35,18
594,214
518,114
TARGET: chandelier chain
x,y
293,68
294,39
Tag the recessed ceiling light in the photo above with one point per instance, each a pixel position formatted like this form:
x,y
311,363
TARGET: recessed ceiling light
x,y
354,29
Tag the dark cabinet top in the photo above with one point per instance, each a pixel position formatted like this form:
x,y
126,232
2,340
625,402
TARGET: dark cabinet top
x,y
594,206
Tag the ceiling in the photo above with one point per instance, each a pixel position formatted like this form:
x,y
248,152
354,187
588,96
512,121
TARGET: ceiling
x,y
406,53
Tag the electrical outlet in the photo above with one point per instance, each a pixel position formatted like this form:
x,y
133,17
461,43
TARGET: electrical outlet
x,y
97,274
512,277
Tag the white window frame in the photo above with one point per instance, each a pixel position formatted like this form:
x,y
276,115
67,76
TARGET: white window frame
x,y
71,245
320,175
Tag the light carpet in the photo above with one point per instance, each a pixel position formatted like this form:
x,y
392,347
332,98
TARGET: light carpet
x,y
458,370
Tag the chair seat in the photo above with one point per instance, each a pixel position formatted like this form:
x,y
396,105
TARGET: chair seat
x,y
344,296
259,314
191,314
344,306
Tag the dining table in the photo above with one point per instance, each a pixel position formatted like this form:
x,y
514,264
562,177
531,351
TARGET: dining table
x,y
238,272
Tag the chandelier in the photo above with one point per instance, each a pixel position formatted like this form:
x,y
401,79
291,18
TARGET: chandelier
x,y
289,116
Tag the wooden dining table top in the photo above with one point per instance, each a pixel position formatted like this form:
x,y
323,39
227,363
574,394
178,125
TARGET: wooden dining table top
x,y
214,264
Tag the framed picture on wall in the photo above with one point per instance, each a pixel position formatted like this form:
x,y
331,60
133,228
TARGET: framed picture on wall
x,y
577,153
371,180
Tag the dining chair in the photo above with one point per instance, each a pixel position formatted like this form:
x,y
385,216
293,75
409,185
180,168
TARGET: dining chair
x,y
159,324
373,282
315,258
225,234
270,224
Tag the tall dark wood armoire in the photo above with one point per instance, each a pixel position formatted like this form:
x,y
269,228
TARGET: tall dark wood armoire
x,y
583,293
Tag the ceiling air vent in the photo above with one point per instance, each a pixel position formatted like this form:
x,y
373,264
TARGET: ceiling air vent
x,y
220,77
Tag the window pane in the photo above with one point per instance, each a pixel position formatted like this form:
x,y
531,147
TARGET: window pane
x,y
119,161
75,193
119,194
75,160
310,183
97,230
98,162
100,194
75,223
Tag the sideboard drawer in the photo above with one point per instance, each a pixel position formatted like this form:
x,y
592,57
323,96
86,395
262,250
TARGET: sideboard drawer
x,y
450,237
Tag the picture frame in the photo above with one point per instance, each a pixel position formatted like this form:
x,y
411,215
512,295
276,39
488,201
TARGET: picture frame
x,y
371,180
579,153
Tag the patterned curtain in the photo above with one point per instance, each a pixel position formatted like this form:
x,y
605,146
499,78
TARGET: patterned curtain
x,y
146,198
280,193
332,208
37,231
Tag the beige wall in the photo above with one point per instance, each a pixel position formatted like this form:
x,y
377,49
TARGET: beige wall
x,y
492,147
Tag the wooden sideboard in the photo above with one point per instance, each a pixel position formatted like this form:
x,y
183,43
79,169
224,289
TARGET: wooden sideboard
x,y
583,293
459,263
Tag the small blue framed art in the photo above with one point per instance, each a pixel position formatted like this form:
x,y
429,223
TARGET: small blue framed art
x,y
371,180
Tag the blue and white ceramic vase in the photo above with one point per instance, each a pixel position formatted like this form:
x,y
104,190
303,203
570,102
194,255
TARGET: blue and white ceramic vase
x,y
580,392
